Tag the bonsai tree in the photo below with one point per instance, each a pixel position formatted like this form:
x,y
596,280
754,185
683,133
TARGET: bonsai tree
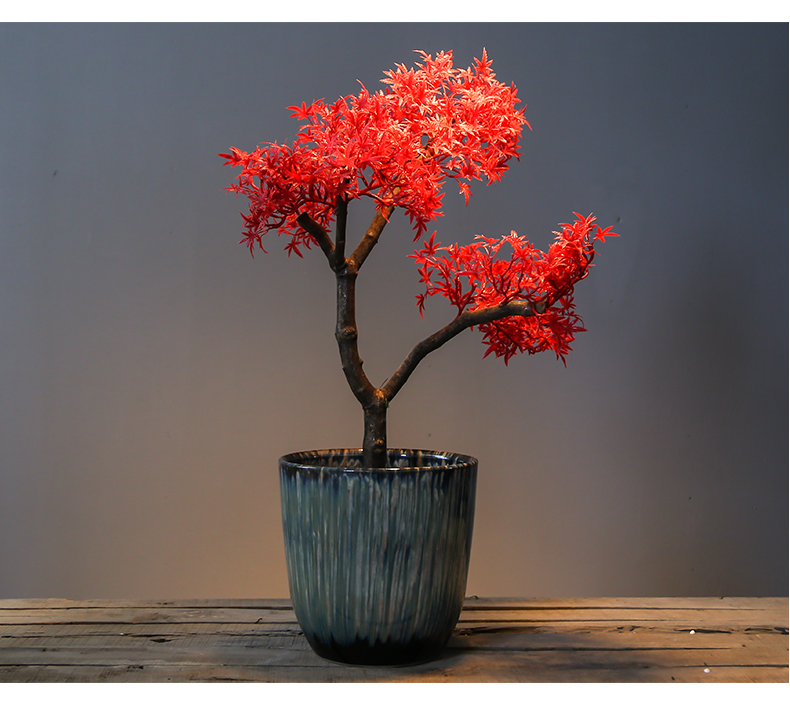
x,y
398,146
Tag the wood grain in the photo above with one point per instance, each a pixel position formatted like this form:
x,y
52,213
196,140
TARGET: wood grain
x,y
685,639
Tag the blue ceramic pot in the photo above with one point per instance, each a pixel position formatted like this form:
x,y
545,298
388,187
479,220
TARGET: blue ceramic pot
x,y
377,558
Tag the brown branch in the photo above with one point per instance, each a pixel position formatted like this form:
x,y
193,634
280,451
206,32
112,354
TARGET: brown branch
x,y
346,335
373,402
382,216
465,320
371,237
346,327
319,234
337,256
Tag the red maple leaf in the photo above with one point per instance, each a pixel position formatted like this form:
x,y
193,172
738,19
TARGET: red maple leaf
x,y
398,146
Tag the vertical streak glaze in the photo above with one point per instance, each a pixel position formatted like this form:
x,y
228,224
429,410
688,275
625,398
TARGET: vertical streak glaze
x,y
377,558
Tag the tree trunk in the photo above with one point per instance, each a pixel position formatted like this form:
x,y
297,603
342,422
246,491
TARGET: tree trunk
x,y
373,401
374,448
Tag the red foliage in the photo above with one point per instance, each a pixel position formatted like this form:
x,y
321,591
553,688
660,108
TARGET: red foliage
x,y
397,146
474,276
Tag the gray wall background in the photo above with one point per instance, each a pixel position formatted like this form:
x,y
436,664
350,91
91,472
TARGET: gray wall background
x,y
151,372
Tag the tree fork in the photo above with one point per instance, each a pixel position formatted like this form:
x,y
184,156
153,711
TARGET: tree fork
x,y
373,401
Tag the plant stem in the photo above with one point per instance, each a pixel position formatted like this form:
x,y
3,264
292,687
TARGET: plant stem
x,y
337,254
465,320
374,446
346,336
371,237
375,402
319,234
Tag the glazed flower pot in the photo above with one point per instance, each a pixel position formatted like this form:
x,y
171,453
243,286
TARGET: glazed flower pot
x,y
377,558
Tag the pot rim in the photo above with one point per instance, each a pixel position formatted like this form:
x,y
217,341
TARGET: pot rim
x,y
455,460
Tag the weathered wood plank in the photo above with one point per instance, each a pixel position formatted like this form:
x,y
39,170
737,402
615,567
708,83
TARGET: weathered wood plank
x,y
295,652
481,635
291,648
471,603
156,629
145,615
620,639
684,617
616,602
173,672
768,615
55,603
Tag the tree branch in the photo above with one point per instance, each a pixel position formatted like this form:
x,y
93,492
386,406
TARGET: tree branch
x,y
337,256
465,320
371,237
319,234
346,335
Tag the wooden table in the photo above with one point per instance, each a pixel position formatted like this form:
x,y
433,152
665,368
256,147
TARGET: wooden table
x,y
496,640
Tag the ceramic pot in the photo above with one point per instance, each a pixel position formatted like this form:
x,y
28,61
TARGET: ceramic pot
x,y
377,558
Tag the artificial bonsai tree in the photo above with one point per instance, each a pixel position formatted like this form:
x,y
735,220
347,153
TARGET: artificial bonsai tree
x,y
398,146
